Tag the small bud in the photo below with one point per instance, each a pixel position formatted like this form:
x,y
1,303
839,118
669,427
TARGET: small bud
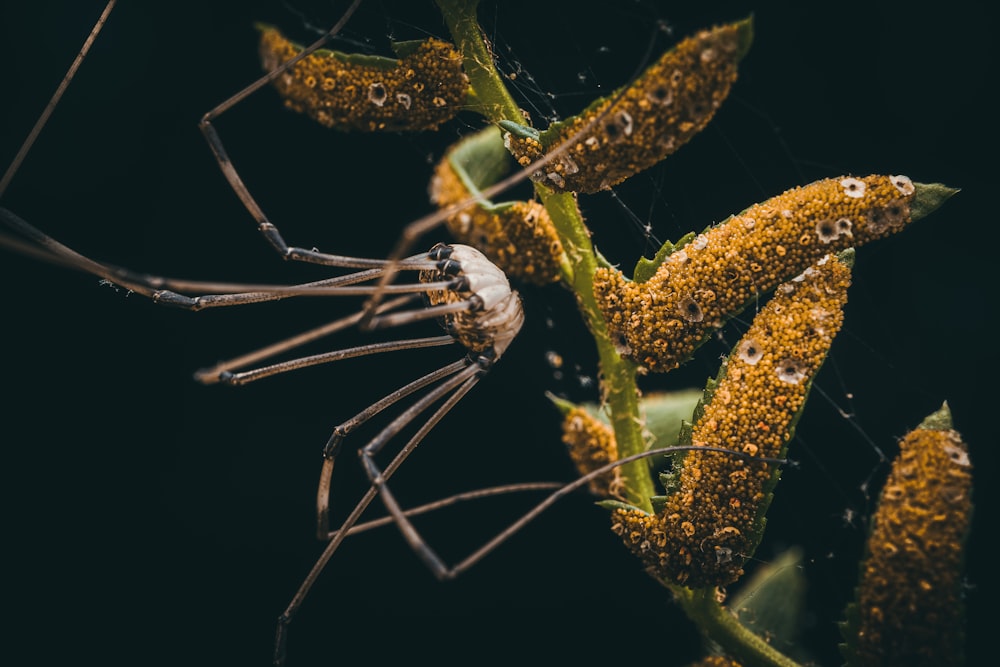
x,y
908,609
591,441
591,444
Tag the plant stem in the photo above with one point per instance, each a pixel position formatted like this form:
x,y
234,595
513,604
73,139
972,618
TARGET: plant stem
x,y
487,84
618,376
723,628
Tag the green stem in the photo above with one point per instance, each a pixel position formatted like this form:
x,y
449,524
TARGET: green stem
x,y
494,100
723,628
618,375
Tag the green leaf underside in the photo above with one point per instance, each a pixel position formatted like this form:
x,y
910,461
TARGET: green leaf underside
x,y
480,160
772,601
383,63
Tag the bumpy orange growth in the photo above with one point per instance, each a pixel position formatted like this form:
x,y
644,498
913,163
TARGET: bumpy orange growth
x,y
909,595
591,444
518,236
673,100
418,92
713,521
660,322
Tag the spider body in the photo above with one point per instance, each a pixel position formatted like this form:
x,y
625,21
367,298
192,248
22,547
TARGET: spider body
x,y
495,314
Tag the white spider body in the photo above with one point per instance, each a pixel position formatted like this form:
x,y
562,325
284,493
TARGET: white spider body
x,y
496,315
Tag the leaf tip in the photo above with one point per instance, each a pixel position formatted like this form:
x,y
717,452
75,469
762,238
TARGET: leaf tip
x,y
928,197
744,32
939,420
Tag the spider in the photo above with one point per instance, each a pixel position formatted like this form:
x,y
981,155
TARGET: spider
x,y
469,295
461,288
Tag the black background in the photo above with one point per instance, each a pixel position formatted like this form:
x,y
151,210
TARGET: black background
x,y
151,520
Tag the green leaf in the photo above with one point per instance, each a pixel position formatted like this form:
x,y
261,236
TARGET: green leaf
x,y
518,130
617,505
938,421
928,197
480,160
646,268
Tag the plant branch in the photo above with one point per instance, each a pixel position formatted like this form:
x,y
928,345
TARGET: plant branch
x,y
723,628
618,376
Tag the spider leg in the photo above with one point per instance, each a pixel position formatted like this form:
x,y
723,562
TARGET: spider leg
x,y
246,377
445,573
29,141
561,493
379,478
168,291
264,225
223,372
457,385
435,505
211,375
425,313
332,448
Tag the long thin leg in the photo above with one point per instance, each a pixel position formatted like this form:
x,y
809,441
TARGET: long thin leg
x,y
416,542
54,100
166,291
265,226
460,384
378,479
448,502
246,377
211,375
222,372
332,448
428,556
